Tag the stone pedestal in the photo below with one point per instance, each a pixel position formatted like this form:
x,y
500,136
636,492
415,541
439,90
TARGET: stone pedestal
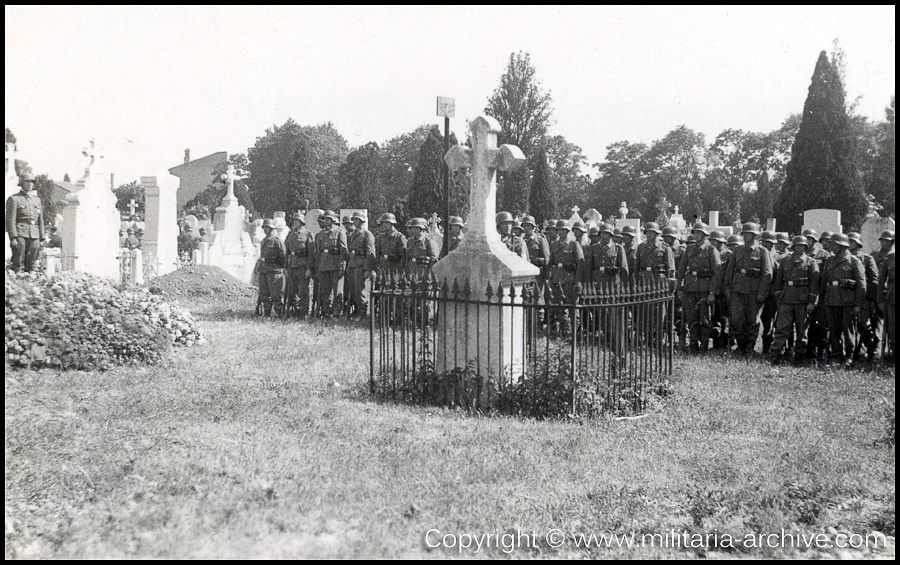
x,y
90,231
160,242
493,338
232,248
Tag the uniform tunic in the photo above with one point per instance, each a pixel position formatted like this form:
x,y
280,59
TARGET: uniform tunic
x,y
25,226
796,286
748,276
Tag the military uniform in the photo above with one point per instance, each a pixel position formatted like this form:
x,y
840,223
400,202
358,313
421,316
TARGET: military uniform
x,y
866,330
300,248
720,309
747,277
131,243
390,249
886,296
361,245
453,242
331,261
516,244
606,263
567,270
271,273
844,288
421,254
538,253
699,274
796,287
655,260
876,319
25,226
818,324
770,305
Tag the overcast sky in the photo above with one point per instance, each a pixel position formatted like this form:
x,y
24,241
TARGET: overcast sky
x,y
151,82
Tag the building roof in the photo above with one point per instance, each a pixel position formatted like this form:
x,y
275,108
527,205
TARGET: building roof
x,y
210,160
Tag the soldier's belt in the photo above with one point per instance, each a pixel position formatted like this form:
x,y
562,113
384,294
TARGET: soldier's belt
x,y
800,283
848,284
391,257
29,222
272,261
421,260
298,254
701,274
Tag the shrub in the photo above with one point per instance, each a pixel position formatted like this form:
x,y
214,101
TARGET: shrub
x,y
78,321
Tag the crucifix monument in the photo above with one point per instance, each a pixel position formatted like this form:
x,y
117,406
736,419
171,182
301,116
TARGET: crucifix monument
x,y
483,259
232,248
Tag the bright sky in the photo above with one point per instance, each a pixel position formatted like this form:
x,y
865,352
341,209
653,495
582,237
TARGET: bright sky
x,y
150,82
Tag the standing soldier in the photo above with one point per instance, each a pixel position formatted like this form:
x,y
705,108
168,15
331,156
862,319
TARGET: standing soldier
x,y
566,274
605,261
299,245
330,261
538,248
747,279
797,289
361,269
818,323
782,242
513,242
550,233
421,251
770,306
579,231
865,329
886,240
25,225
886,295
271,270
720,309
390,247
699,275
628,242
671,238
456,228
844,283
654,259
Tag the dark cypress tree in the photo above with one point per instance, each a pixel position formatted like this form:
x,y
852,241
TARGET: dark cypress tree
x,y
426,192
822,172
512,190
543,200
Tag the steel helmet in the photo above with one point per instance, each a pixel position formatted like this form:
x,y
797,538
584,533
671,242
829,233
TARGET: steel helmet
x,y
855,238
562,225
266,224
528,220
840,239
690,239
629,231
298,216
593,231
606,228
456,221
550,225
810,235
782,237
418,223
733,240
346,220
504,217
670,231
887,235
358,216
517,226
700,227
651,226
617,233
717,235
750,227
330,215
768,236
579,225
387,217
799,240
26,177
826,235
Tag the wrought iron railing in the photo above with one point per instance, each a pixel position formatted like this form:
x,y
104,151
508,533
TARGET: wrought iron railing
x,y
535,349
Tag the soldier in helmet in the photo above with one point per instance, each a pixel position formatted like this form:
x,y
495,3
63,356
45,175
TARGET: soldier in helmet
x,y
768,239
782,242
866,330
654,259
818,322
566,274
131,241
271,270
299,246
885,251
456,229
720,309
330,261
827,243
421,251
630,246
748,277
513,242
390,246
885,294
538,248
361,268
605,261
699,275
844,289
550,233
25,225
579,232
797,290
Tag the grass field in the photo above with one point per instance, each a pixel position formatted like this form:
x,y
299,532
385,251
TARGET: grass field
x,y
263,443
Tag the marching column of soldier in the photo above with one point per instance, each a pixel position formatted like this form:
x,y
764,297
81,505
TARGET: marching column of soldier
x,y
804,297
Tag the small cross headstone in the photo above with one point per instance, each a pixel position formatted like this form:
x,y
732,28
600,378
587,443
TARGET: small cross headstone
x,y
623,211
132,207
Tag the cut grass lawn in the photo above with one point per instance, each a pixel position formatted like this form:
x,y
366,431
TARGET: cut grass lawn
x,y
264,443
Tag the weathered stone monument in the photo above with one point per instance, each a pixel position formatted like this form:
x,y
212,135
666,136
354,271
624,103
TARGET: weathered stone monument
x,y
871,231
823,219
592,216
714,224
160,242
623,219
575,217
482,259
90,234
312,221
232,247
11,186
676,220
771,225
281,226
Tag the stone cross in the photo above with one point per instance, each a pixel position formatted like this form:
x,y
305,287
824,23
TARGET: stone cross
x,y
624,211
131,207
230,177
484,158
93,152
575,209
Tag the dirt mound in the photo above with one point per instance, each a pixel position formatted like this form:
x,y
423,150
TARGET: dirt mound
x,y
200,283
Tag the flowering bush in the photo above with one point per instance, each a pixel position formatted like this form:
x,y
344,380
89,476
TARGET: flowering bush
x,y
78,321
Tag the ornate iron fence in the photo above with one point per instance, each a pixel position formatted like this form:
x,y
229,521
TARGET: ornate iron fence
x,y
521,348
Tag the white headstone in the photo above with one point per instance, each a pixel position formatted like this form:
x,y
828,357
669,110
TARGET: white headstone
x,y
871,231
714,224
160,241
11,184
193,225
823,219
232,248
594,216
91,222
483,259
312,221
281,226
575,217
770,225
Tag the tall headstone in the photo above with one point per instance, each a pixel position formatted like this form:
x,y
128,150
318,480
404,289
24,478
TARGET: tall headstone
x,y
871,231
90,234
771,224
676,220
623,220
823,219
483,259
714,224
281,226
160,242
11,186
232,248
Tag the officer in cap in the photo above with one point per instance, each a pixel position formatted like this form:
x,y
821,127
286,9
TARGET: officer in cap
x,y
844,288
747,280
271,270
797,289
299,246
331,262
885,294
699,278
867,325
390,246
25,225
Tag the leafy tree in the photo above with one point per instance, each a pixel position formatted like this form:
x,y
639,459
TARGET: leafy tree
x,y
125,193
543,199
822,172
566,163
675,166
520,105
621,178
205,203
881,181
512,190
